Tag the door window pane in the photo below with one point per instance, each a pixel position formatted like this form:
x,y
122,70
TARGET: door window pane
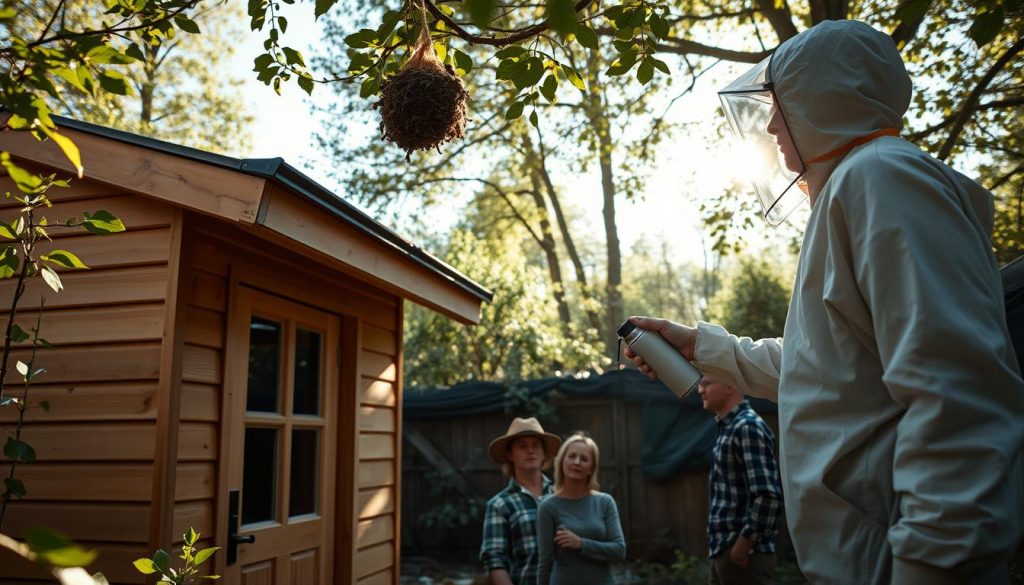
x,y
305,458
307,372
264,365
259,475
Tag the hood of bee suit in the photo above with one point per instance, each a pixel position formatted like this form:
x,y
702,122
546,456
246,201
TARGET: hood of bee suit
x,y
836,82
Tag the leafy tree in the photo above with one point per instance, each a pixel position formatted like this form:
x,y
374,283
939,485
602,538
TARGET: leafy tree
x,y
753,302
516,338
174,91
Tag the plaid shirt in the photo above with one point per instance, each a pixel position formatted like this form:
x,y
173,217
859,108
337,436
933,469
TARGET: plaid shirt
x,y
510,532
746,498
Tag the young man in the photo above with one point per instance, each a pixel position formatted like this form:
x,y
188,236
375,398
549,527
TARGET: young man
x,y
901,405
746,498
509,547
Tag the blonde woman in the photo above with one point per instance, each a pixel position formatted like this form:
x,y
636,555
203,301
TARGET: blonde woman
x,y
578,528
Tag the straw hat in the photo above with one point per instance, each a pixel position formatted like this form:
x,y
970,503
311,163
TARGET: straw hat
x,y
524,427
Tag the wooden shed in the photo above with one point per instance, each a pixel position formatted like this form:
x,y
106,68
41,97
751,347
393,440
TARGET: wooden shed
x,y
232,362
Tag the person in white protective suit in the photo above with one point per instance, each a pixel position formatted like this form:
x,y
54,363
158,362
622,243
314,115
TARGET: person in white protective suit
x,y
901,405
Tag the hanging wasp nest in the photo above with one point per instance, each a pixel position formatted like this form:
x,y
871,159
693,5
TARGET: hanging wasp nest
x,y
423,105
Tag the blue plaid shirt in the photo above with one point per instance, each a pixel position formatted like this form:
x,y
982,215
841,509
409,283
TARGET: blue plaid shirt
x,y
510,532
746,498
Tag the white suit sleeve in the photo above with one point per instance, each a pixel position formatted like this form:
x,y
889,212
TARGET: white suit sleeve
x,y
751,366
923,265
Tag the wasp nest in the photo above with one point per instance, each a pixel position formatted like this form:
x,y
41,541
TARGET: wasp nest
x,y
424,104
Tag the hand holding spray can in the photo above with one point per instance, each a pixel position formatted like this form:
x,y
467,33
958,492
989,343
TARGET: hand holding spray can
x,y
671,367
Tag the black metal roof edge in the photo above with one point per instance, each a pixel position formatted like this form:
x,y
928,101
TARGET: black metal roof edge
x,y
298,182
288,176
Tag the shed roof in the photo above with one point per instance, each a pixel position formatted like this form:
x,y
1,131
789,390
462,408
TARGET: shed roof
x,y
244,190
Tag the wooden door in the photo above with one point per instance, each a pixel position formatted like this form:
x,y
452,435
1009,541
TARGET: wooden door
x,y
282,453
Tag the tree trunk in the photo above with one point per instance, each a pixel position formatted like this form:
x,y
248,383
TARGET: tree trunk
x,y
551,254
593,318
615,308
147,86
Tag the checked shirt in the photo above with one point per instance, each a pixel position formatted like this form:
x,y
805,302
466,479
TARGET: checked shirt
x,y
510,532
746,497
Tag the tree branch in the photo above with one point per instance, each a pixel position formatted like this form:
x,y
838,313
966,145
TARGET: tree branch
x,y
688,47
968,107
514,36
992,105
780,19
1005,178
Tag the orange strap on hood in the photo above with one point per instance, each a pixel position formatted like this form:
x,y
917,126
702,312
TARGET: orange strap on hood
x,y
854,144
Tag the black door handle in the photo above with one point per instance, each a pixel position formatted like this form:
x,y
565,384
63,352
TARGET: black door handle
x,y
234,539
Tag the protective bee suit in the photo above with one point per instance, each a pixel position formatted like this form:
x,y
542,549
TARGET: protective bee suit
x,y
901,406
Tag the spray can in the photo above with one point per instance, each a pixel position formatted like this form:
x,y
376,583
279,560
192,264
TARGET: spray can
x,y
671,367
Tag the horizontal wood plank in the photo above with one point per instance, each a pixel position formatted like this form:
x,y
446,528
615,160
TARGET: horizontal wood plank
x,y
375,531
375,365
379,340
376,419
88,402
97,325
76,189
197,442
200,402
195,481
375,558
385,577
73,442
209,291
130,248
105,363
204,327
199,515
79,521
376,473
374,502
376,446
97,482
201,364
135,212
377,392
94,287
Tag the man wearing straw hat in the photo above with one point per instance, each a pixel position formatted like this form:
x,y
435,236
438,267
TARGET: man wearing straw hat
x,y
509,547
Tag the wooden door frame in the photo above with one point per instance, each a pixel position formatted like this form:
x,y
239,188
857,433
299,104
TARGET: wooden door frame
x,y
346,403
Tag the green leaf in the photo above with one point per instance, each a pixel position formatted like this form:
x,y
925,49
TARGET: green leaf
x,y
307,84
510,52
8,262
282,22
190,537
622,65
480,11
204,555
102,222
114,82
660,65
463,61
645,72
67,147
550,87
105,54
574,78
515,111
659,26
530,74
26,181
18,334
533,117
293,57
57,550
370,86
145,566
986,26
362,39
7,231
22,368
912,11
15,486
388,23
51,278
64,258
45,405
162,560
561,16
7,13
17,450
322,6
586,37
186,24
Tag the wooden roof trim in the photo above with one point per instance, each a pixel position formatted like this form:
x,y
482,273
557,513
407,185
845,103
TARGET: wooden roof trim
x,y
296,220
192,184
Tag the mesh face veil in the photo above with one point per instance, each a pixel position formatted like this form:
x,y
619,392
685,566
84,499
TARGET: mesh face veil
x,y
749,104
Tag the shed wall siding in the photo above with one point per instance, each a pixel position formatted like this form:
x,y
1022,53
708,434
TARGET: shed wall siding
x,y
96,445
220,249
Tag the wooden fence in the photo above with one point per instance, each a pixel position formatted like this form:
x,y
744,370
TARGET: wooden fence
x,y
445,466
